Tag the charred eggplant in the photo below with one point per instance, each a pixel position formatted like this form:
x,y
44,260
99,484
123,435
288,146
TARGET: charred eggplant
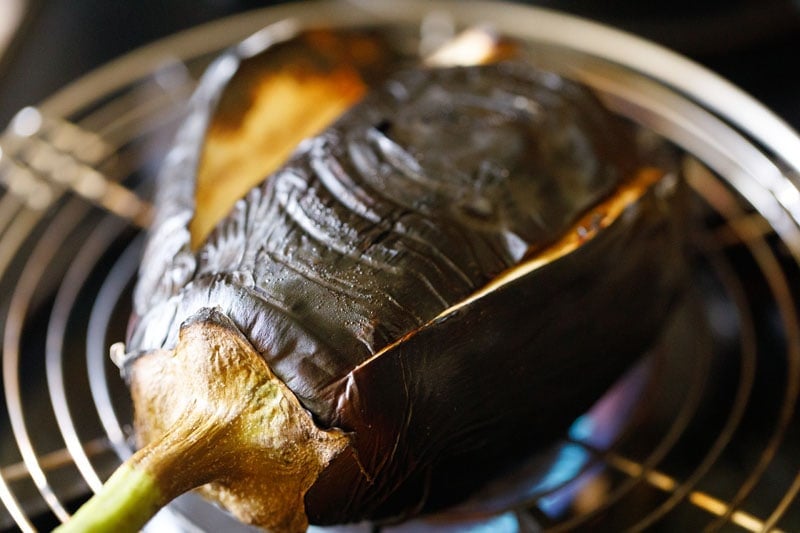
x,y
426,293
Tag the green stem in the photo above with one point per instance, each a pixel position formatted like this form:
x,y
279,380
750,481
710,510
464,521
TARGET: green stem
x,y
126,502
213,415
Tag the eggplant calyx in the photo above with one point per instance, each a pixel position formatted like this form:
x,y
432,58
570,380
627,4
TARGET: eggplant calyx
x,y
212,415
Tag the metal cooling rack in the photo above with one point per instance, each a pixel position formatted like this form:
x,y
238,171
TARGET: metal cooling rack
x,y
709,440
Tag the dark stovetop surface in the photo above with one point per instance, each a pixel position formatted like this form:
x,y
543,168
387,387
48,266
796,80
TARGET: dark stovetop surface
x,y
753,43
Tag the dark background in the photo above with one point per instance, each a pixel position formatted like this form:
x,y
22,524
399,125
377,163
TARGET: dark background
x,y
754,43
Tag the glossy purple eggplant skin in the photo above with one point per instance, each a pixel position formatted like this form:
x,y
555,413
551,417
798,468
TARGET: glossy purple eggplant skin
x,y
416,198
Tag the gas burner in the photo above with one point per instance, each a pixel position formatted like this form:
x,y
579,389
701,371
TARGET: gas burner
x,y
702,434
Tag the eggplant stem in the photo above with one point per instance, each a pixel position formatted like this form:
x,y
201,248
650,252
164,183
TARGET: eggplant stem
x,y
129,498
155,475
213,417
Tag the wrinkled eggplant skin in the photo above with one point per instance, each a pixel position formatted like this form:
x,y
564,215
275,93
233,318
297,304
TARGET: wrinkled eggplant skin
x,y
319,292
474,394
412,201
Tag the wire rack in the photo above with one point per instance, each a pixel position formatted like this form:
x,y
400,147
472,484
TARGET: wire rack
x,y
702,435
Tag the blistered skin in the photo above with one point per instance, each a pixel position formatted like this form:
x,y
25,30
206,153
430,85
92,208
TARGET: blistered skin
x,y
410,203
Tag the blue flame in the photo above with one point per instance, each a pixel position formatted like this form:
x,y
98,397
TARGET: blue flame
x,y
598,428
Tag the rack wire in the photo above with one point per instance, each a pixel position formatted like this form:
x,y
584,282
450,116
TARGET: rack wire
x,y
706,433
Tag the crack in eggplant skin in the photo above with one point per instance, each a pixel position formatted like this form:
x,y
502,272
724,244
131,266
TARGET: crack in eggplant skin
x,y
413,200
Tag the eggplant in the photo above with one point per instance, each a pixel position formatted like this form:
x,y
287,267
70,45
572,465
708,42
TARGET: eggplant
x,y
421,298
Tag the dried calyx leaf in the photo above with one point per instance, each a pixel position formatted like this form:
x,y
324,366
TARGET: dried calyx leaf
x,y
210,413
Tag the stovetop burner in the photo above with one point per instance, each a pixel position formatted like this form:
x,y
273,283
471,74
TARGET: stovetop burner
x,y
713,443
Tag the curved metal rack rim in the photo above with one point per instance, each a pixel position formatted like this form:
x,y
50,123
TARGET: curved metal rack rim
x,y
20,226
596,41
724,151
788,313
646,471
781,292
11,342
748,170
657,62
26,219
647,466
552,28
121,273
748,354
743,166
101,238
